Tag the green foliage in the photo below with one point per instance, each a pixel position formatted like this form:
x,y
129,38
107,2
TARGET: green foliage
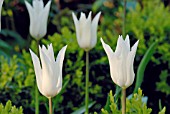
x,y
143,24
142,66
163,85
15,81
9,109
12,70
133,105
162,111
17,75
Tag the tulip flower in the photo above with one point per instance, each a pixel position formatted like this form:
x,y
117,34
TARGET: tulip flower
x,y
49,73
86,30
121,61
38,18
1,2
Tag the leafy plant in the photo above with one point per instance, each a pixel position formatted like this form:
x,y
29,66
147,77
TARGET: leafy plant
x,y
162,85
9,109
134,105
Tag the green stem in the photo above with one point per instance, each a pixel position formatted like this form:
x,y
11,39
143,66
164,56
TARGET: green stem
x,y
123,101
36,88
124,19
87,83
50,105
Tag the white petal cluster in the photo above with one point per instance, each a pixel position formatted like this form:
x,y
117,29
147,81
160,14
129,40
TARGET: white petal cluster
x,y
86,30
49,76
38,18
121,61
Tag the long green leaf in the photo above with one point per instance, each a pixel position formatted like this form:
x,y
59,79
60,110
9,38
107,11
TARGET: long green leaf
x,y
82,109
3,44
142,66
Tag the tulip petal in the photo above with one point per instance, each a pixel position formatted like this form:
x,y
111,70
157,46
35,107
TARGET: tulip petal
x,y
85,32
127,42
59,63
51,53
89,16
111,58
94,30
130,61
76,22
134,47
38,70
43,18
107,49
130,71
45,61
48,75
119,46
30,10
38,6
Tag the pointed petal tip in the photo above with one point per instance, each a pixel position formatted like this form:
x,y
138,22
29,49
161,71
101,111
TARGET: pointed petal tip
x,y
82,15
134,47
120,37
30,50
101,39
25,1
137,42
33,55
99,13
72,13
50,44
127,36
65,47
49,1
90,12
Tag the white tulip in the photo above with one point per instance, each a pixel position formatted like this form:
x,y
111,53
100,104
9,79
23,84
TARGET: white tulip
x,y
86,30
38,18
121,61
1,2
49,73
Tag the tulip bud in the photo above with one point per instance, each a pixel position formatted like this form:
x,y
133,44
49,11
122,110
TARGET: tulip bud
x,y
49,73
38,18
121,61
1,2
86,30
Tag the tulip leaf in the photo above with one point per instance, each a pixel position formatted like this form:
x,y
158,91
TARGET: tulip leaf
x,y
142,66
82,109
17,38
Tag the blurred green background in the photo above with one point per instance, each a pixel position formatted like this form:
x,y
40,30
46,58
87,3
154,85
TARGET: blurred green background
x,y
146,20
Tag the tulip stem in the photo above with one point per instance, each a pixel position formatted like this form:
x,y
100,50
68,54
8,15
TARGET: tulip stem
x,y
123,101
36,101
124,18
36,88
87,83
50,105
